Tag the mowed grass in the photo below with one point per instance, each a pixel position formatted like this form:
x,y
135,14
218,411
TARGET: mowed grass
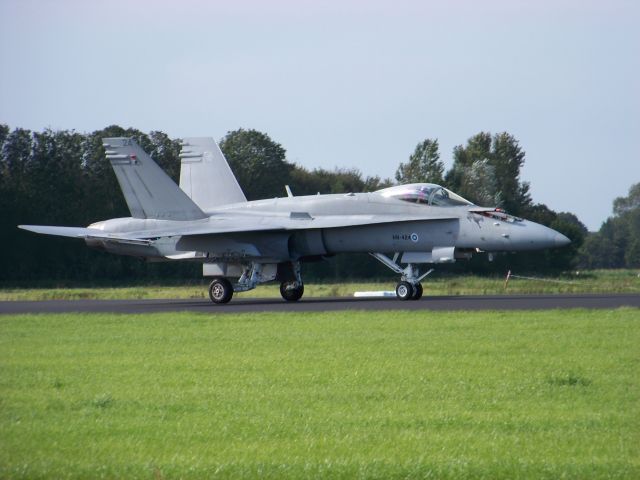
x,y
553,394
596,281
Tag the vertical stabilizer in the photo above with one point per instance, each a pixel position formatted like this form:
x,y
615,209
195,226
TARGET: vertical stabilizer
x,y
205,175
148,190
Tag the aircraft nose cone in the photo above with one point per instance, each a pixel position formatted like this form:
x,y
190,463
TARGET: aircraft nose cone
x,y
528,235
560,240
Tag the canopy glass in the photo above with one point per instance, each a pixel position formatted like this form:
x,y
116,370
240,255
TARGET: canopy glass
x,y
425,193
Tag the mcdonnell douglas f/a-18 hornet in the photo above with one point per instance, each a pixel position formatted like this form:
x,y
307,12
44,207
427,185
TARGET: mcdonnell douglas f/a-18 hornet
x,y
242,244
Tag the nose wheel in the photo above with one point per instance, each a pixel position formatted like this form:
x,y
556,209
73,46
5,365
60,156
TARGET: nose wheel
x,y
407,291
409,287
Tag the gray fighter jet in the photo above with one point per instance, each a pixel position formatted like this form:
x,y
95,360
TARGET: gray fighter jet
x,y
242,244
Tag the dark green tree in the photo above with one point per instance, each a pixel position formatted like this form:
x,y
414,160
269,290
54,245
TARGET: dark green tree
x,y
4,133
487,172
64,178
566,258
55,193
460,178
15,200
166,153
16,153
258,163
622,205
319,180
616,244
371,184
508,160
424,165
632,255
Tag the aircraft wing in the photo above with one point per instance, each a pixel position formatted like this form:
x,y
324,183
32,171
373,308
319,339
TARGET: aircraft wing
x,y
249,223
230,224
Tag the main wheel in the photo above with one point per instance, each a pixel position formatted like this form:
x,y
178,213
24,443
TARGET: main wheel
x,y
404,291
220,290
291,291
417,291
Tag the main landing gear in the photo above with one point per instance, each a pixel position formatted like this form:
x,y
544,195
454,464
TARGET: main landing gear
x,y
409,287
291,291
220,290
291,287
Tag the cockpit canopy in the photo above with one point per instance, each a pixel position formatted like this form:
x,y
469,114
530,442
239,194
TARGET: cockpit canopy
x,y
426,194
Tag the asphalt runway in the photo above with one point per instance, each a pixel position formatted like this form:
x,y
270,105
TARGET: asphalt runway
x,y
239,305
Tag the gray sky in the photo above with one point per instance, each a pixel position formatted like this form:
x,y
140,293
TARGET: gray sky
x,y
351,83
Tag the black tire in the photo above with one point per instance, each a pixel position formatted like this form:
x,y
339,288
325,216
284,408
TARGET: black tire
x,y
404,291
291,291
417,291
220,290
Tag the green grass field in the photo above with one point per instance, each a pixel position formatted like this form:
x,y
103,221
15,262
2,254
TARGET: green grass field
x,y
552,394
598,281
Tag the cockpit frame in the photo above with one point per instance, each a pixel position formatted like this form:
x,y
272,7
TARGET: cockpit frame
x,y
426,194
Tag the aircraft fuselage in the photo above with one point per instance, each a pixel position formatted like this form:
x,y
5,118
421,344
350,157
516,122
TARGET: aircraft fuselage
x,y
409,228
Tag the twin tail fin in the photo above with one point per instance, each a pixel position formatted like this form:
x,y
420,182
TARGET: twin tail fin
x,y
148,190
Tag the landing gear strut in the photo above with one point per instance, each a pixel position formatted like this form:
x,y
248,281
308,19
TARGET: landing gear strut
x,y
409,287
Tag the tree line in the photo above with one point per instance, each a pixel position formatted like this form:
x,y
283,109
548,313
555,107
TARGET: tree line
x,y
62,177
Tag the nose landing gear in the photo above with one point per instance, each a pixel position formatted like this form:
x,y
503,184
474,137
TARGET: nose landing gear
x,y
407,291
409,287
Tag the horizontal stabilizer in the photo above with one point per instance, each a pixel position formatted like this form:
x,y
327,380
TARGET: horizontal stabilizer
x,y
83,233
75,232
148,190
205,175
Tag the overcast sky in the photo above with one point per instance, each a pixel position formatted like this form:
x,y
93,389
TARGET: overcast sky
x,y
351,83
